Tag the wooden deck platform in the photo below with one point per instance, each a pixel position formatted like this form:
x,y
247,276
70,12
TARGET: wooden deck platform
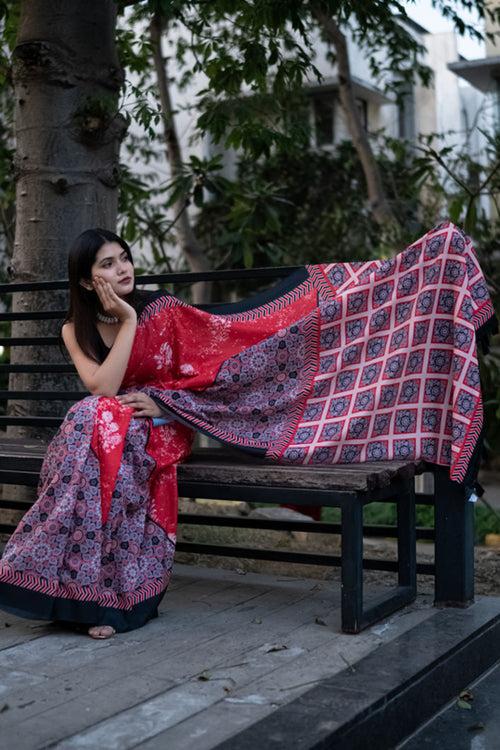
x,y
229,654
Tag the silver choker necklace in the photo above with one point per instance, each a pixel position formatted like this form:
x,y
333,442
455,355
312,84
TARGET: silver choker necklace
x,y
111,319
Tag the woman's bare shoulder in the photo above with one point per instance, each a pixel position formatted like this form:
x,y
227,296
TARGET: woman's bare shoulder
x,y
68,331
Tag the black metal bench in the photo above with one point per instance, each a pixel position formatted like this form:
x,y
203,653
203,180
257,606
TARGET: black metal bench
x,y
224,474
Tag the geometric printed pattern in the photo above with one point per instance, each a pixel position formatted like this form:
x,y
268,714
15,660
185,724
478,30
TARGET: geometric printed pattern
x,y
81,556
398,374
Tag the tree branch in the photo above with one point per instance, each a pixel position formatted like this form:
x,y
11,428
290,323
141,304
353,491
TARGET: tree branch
x,y
190,246
381,211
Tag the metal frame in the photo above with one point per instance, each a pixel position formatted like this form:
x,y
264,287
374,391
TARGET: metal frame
x,y
453,534
354,616
454,545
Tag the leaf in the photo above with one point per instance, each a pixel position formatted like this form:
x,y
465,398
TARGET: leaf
x,y
198,196
247,256
471,217
466,695
257,621
455,209
204,676
319,621
277,647
464,704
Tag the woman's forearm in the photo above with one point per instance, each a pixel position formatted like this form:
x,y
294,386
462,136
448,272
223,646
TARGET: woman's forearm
x,y
108,378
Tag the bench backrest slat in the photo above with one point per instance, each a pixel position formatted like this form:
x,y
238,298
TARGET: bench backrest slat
x,y
44,370
45,395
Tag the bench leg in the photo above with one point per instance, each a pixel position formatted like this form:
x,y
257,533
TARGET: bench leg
x,y
352,567
454,542
354,617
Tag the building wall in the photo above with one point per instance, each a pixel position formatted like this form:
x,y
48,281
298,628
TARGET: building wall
x,y
492,47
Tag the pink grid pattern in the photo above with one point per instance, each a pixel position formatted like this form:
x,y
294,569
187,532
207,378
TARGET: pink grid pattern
x,y
413,320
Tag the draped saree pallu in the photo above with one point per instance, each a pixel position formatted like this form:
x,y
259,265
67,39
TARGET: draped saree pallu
x,y
338,363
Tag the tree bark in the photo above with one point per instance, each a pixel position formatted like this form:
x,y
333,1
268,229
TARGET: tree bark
x,y
380,208
67,79
190,246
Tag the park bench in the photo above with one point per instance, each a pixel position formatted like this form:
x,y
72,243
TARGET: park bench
x,y
220,473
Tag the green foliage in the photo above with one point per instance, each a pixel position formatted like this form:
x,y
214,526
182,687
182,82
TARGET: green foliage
x,y
256,56
256,59
311,206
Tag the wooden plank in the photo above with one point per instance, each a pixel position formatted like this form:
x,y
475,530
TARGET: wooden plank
x,y
180,658
140,649
47,728
145,719
257,697
195,606
118,666
319,650
220,466
179,663
16,630
42,655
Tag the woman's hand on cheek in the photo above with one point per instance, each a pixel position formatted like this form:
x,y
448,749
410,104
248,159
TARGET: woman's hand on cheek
x,y
143,405
111,302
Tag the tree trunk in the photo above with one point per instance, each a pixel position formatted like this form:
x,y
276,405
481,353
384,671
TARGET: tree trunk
x,y
380,209
191,248
67,79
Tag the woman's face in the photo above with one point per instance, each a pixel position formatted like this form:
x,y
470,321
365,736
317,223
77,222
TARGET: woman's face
x,y
113,265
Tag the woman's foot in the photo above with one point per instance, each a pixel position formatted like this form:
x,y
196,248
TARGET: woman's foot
x,y
101,631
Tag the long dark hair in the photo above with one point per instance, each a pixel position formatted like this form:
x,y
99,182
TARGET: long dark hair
x,y
84,303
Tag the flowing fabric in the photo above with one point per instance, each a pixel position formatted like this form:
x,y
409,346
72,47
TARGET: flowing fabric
x,y
338,363
342,363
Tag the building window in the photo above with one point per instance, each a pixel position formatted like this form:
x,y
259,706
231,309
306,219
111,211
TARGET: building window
x,y
406,115
497,103
362,105
324,118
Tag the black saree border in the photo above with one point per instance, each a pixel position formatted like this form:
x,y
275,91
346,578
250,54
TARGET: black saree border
x,y
35,605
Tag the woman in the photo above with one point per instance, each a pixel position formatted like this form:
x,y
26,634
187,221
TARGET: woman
x,y
97,547
337,363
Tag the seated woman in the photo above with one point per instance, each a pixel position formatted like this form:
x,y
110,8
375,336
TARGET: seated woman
x,y
337,363
97,547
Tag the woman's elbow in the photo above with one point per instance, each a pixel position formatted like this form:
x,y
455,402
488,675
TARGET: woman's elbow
x,y
99,390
